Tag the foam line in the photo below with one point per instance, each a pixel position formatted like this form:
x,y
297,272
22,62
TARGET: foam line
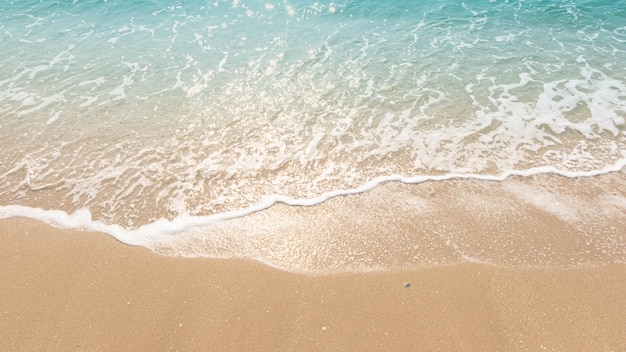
x,y
163,230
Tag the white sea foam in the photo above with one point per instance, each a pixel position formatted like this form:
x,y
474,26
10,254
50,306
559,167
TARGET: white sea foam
x,y
162,230
202,113
313,244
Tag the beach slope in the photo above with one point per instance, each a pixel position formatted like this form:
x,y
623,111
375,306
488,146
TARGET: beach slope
x,y
65,290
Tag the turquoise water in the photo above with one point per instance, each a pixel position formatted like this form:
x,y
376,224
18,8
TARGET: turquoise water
x,y
135,111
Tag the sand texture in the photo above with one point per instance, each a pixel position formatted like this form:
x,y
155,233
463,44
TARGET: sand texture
x,y
65,290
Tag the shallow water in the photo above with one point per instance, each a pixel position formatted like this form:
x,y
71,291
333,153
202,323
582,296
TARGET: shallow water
x,y
139,113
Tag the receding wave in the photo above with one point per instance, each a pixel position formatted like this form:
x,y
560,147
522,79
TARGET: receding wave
x,y
152,118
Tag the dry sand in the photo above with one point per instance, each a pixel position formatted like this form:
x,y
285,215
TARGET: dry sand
x,y
65,290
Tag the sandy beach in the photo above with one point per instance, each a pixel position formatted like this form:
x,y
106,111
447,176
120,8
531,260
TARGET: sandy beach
x,y
313,176
66,290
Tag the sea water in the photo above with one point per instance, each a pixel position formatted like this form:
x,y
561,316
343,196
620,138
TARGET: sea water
x,y
144,119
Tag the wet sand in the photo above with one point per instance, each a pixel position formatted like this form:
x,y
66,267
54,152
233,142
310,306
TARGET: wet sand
x,y
66,290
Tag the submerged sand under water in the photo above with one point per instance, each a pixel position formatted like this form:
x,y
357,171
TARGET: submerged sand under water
x,y
158,111
538,221
543,220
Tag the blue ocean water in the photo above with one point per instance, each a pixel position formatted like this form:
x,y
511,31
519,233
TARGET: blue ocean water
x,y
135,111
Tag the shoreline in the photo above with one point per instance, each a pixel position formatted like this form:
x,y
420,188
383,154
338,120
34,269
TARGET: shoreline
x,y
552,275
73,290
283,176
539,221
545,220
82,218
